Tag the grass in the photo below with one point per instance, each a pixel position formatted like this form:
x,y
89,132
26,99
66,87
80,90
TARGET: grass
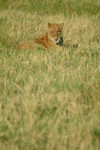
x,y
50,100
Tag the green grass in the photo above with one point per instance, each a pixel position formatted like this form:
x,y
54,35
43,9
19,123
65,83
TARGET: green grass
x,y
67,7
50,100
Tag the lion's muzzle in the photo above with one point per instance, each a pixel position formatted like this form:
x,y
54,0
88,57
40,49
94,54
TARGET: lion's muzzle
x,y
60,43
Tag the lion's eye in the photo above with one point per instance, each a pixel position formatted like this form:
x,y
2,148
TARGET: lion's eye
x,y
51,31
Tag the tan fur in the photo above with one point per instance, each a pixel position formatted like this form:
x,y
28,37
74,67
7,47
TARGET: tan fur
x,y
51,39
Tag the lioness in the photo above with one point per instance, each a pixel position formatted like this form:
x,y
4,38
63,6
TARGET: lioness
x,y
51,39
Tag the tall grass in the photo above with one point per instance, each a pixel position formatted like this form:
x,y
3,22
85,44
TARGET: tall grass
x,y
50,100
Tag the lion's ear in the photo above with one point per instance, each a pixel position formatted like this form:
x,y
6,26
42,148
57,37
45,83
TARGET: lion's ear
x,y
61,25
49,24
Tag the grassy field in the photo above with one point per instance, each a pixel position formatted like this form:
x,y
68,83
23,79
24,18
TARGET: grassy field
x,y
50,100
